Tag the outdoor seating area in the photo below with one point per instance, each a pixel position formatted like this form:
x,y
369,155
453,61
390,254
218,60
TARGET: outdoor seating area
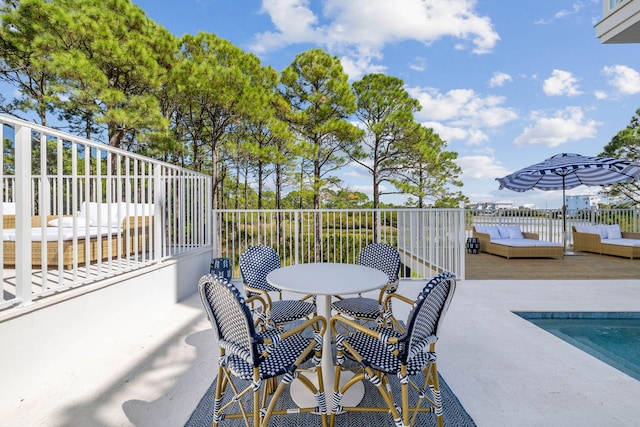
x,y
512,242
606,240
259,341
98,231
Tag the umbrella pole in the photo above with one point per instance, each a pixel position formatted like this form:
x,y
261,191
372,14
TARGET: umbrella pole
x,y
564,223
564,219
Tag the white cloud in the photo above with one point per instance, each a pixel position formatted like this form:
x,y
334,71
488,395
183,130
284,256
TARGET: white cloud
x,y
366,189
353,173
360,29
462,107
561,83
452,133
357,66
565,125
292,19
625,79
419,64
499,78
600,94
480,167
575,8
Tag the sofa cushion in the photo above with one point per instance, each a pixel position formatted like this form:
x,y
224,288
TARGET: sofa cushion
x,y
515,232
8,208
582,228
68,222
622,242
524,242
108,213
112,214
504,231
590,229
493,232
602,230
613,231
510,232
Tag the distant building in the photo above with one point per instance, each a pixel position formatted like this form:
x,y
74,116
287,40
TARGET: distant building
x,y
490,205
575,203
620,22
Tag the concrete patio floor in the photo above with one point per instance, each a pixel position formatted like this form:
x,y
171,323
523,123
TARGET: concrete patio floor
x,y
504,370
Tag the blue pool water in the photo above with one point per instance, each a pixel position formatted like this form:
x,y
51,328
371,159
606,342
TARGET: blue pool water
x,y
613,337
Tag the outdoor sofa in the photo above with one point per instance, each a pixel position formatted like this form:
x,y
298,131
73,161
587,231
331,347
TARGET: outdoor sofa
x,y
510,242
119,233
606,240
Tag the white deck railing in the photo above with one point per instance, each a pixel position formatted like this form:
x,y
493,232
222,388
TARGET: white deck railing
x,y
121,211
429,240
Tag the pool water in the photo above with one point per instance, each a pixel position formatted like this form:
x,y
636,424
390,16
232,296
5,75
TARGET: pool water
x,y
613,337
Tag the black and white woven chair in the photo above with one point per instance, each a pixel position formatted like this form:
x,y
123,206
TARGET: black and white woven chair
x,y
255,264
249,360
384,258
381,352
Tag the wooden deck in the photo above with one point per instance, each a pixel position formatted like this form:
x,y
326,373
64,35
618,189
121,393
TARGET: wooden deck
x,y
483,266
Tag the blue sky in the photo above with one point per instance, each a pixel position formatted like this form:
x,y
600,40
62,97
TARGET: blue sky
x,y
505,83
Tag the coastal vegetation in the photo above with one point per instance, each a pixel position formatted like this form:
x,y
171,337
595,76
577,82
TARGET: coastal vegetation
x,y
269,139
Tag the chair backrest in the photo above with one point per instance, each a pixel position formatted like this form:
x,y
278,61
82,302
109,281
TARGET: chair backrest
x,y
382,257
427,313
256,263
230,317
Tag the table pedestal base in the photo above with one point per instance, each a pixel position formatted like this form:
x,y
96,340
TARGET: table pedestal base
x,y
302,396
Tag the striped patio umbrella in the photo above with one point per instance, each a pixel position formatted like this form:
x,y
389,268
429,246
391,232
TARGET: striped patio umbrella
x,y
566,170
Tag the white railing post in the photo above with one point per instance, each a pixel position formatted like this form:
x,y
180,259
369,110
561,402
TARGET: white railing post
x,y
158,211
462,240
23,213
296,232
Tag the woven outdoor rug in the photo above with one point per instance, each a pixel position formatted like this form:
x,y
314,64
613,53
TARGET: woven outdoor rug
x,y
454,413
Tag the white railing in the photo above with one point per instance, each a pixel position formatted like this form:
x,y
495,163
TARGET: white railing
x,y
429,240
115,211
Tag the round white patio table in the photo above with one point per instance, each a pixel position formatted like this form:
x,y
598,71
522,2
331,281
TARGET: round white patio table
x,y
327,279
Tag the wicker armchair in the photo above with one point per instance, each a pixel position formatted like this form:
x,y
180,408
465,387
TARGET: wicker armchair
x,y
382,352
386,259
250,360
255,264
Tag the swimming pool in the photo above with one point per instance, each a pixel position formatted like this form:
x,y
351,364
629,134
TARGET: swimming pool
x,y
613,337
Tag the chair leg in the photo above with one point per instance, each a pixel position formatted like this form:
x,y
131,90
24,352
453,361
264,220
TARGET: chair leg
x,y
217,404
435,390
404,388
382,384
256,397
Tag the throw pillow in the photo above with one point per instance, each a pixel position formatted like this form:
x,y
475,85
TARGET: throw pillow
x,y
592,229
493,231
583,228
602,230
515,232
613,231
504,231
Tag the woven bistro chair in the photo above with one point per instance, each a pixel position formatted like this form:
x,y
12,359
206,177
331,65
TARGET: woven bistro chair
x,y
258,358
386,259
381,352
255,264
